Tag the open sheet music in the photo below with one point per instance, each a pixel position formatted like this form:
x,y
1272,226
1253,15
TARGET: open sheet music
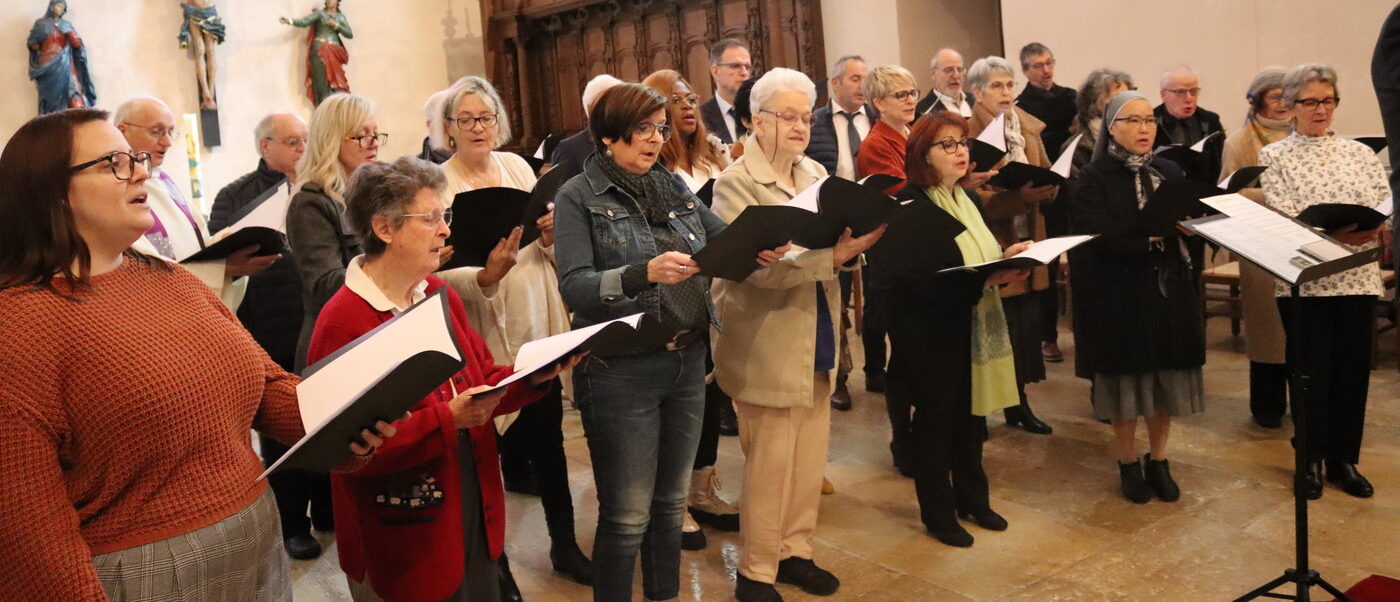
x,y
1273,241
1039,254
263,224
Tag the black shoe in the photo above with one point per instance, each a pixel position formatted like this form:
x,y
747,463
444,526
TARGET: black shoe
x,y
523,483
728,523
728,420
903,460
302,547
1350,481
955,536
748,590
841,397
693,540
1133,485
1312,481
805,574
1021,415
1159,478
1269,422
875,382
987,519
569,560
510,592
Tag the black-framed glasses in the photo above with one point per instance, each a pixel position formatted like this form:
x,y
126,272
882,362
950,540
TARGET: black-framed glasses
x,y
123,165
468,124
156,132
292,142
646,129
1136,121
1184,92
1312,104
685,100
737,66
950,144
433,218
902,95
368,141
790,118
1041,65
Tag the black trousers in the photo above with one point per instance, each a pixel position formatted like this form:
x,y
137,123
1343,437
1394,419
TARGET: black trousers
x,y
707,453
874,325
535,443
1050,306
1268,389
948,475
1336,358
295,490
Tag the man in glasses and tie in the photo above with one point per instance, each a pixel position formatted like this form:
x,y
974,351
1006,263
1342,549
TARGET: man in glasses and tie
x,y
730,66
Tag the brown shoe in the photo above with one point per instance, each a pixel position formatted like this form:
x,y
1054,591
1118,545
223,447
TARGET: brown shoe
x,y
841,397
827,487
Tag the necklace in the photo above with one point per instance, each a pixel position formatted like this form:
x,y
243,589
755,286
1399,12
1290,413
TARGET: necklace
x,y
477,181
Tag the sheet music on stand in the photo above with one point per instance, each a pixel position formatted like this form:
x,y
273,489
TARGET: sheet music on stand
x,y
1281,245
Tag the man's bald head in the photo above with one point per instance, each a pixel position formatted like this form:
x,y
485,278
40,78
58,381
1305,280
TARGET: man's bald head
x,y
148,124
946,69
281,139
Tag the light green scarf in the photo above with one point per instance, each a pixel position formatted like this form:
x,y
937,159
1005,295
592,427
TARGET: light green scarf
x,y
993,367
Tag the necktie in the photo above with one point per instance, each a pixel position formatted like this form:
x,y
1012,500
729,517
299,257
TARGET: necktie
x,y
852,134
739,129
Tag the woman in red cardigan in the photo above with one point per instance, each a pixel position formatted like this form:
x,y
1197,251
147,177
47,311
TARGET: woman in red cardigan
x,y
425,519
892,90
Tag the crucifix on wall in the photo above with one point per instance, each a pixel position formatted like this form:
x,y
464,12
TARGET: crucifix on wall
x,y
201,30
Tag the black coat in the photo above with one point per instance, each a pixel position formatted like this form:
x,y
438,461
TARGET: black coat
x,y
1123,323
930,101
929,316
1385,76
570,152
823,146
1056,108
714,120
271,310
1206,168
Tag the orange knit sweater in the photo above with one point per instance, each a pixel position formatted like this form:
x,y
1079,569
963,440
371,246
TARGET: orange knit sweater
x,y
124,419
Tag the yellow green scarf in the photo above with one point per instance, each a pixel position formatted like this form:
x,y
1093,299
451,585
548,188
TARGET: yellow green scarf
x,y
993,367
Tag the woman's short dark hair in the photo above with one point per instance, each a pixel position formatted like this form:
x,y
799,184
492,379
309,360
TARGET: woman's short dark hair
x,y
38,236
620,109
917,170
387,189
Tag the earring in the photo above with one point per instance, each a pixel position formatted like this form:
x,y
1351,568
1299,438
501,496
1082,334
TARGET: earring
x,y
607,152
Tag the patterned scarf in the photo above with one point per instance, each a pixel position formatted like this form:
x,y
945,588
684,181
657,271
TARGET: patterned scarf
x,y
654,190
1136,164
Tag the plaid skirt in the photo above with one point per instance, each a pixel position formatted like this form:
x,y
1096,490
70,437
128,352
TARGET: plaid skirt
x,y
236,559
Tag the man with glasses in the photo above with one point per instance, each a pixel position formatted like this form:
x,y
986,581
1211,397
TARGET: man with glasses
x,y
947,93
180,229
1180,120
730,66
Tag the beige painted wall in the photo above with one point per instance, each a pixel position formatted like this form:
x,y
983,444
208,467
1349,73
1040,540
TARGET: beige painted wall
x,y
908,32
1227,43
400,55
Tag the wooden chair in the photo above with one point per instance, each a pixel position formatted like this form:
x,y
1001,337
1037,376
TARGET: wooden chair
x,y
1220,294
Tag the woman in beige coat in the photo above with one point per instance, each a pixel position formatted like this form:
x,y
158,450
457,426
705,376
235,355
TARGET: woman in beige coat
x,y
1268,122
777,350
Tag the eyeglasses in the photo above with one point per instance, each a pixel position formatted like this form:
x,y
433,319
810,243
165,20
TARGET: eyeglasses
x,y
1137,122
123,165
737,66
1001,86
1184,92
156,132
469,123
646,129
290,142
688,100
1312,104
951,69
1040,65
950,144
903,95
437,216
368,141
789,117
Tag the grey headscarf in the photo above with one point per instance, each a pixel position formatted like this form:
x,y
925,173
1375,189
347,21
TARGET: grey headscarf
x,y
1110,112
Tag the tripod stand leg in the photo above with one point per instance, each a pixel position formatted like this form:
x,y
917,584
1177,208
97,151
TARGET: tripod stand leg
x,y
1263,590
1341,597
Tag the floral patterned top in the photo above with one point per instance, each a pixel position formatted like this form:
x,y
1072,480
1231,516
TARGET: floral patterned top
x,y
1310,170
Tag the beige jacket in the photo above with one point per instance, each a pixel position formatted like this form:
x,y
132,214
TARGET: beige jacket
x,y
765,352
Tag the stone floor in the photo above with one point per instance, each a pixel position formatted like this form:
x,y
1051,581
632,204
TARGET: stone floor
x,y
1072,536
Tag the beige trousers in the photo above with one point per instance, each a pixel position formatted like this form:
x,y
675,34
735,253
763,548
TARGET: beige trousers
x,y
784,460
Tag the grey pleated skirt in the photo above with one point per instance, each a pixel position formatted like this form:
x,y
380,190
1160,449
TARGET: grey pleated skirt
x,y
236,559
1128,396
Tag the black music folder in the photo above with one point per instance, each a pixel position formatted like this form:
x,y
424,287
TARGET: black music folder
x,y
482,217
1335,216
1173,202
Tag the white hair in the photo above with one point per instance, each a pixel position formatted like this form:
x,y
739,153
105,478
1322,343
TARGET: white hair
x,y
933,62
1298,78
1174,70
130,106
433,117
471,84
984,68
777,80
595,89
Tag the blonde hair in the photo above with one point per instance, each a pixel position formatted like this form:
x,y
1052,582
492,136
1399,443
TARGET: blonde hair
x,y
884,79
441,136
336,117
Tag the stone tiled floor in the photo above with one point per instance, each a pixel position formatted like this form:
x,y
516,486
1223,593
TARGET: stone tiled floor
x,y
1072,537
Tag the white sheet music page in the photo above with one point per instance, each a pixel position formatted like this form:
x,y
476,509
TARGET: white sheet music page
x,y
1065,162
271,213
1263,235
807,199
995,134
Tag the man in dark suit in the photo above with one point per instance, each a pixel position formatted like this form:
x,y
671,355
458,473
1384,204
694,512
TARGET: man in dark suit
x,y
570,152
729,66
1385,77
1180,120
947,93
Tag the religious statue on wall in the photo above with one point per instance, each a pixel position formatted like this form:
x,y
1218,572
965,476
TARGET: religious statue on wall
x,y
58,62
326,56
202,29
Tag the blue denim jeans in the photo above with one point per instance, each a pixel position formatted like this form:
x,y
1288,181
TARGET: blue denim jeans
x,y
641,415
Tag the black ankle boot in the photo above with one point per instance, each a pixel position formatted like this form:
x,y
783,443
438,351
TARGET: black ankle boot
x,y
1352,482
1159,478
1021,415
1133,484
510,592
955,536
569,560
1312,481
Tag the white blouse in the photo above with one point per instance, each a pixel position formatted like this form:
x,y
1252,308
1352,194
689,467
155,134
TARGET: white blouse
x,y
1310,170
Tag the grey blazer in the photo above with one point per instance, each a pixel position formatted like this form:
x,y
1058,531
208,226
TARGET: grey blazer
x,y
322,245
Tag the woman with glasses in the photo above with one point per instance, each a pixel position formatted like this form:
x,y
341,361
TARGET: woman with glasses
x,y
512,300
1268,122
626,231
776,354
697,156
425,519
892,90
1015,216
343,135
129,393
1142,334
950,355
1313,165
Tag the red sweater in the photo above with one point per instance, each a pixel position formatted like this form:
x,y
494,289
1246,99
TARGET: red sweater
x,y
882,152
124,420
414,551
